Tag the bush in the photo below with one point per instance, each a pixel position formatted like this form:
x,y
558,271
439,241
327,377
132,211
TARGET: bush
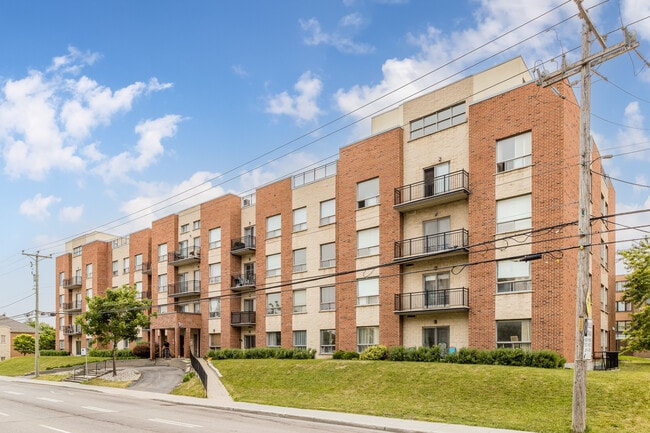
x,y
142,350
53,353
262,353
374,353
342,354
397,353
188,376
106,353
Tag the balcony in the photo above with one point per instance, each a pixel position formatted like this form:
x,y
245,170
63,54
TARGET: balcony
x,y
184,288
432,301
441,244
185,256
242,318
242,282
71,306
242,246
146,268
72,283
440,190
72,329
143,295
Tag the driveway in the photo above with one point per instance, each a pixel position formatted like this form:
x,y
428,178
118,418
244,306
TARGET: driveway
x,y
158,379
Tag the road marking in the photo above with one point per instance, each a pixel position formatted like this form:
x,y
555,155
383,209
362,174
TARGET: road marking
x,y
55,429
176,423
13,392
52,400
98,409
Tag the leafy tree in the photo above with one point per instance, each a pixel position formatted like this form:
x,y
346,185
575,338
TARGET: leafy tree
x,y
24,343
637,262
46,335
114,317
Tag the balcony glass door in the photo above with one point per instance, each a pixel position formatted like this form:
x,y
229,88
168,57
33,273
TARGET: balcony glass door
x,y
436,179
436,234
436,290
436,337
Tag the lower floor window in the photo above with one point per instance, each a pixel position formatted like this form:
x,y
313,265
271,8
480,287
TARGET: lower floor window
x,y
215,341
327,341
367,336
435,337
300,339
514,334
273,339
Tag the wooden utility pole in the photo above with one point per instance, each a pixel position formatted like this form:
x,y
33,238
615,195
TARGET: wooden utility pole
x,y
583,319
36,258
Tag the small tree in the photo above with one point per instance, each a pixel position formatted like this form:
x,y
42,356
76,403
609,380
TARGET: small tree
x,y
117,316
46,335
637,262
24,343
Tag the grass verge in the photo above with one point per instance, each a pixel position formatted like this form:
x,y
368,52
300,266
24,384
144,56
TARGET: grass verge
x,y
516,398
98,381
25,364
192,387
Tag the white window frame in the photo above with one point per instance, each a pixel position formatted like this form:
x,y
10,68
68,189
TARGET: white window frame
x,y
214,271
509,337
328,212
215,307
137,262
162,283
513,276
327,341
273,304
273,226
299,260
368,193
125,266
300,301
299,219
368,242
116,268
185,228
514,213
328,298
368,292
438,121
367,336
214,238
273,265
300,339
273,339
328,255
514,152
89,270
162,253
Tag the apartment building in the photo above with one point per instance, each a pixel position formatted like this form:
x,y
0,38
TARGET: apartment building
x,y
623,313
453,223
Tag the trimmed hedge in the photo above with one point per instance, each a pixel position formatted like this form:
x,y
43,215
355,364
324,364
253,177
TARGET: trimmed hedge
x,y
53,353
107,353
345,355
262,353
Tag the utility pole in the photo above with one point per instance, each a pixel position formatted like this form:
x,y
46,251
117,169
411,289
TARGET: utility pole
x,y
36,258
583,321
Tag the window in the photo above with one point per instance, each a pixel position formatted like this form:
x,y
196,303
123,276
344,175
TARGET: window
x,y
196,225
162,282
604,293
273,339
125,266
328,255
215,273
513,334
622,306
273,226
368,291
327,341
513,276
514,152
604,252
61,344
214,238
185,228
621,327
300,219
443,119
116,268
137,262
273,306
327,212
368,193
368,242
437,234
76,251
89,294
89,270
436,289
435,337
514,214
162,252
62,277
313,175
162,309
300,301
138,290
61,300
300,339
367,336
620,286
215,307
215,341
273,265
300,260
328,298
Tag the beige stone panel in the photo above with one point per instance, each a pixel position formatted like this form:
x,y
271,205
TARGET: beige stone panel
x,y
513,183
388,120
273,323
273,246
214,255
512,247
500,78
413,222
214,325
214,289
88,238
368,262
457,322
510,306
247,218
367,217
368,315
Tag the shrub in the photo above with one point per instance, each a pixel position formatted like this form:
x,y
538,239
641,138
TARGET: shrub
x,y
374,353
54,353
106,353
424,354
262,353
397,353
188,376
345,355
141,350
546,359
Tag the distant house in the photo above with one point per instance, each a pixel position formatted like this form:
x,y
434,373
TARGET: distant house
x,y
9,330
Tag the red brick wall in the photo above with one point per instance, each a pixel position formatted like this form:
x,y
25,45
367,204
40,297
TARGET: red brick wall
x,y
377,156
164,230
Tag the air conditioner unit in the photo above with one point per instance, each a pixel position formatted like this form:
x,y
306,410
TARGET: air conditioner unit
x,y
239,282
361,204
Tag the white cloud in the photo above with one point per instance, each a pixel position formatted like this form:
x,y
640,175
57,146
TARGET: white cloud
x,y
314,35
71,213
631,11
148,149
37,208
303,106
239,71
630,228
45,116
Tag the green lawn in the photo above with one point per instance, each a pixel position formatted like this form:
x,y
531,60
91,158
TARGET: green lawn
x,y
23,365
518,398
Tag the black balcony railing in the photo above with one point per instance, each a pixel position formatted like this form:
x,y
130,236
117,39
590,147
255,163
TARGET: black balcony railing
x,y
146,268
184,256
242,245
76,305
432,244
242,281
143,295
242,318
605,360
72,283
435,300
457,181
184,288
72,329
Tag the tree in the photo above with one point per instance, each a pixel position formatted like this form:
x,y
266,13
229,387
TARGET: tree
x,y
24,343
114,317
46,335
637,262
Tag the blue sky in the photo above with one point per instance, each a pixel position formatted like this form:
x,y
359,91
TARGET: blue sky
x,y
108,109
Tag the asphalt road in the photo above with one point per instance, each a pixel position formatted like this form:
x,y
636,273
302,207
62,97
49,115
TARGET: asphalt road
x,y
158,379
